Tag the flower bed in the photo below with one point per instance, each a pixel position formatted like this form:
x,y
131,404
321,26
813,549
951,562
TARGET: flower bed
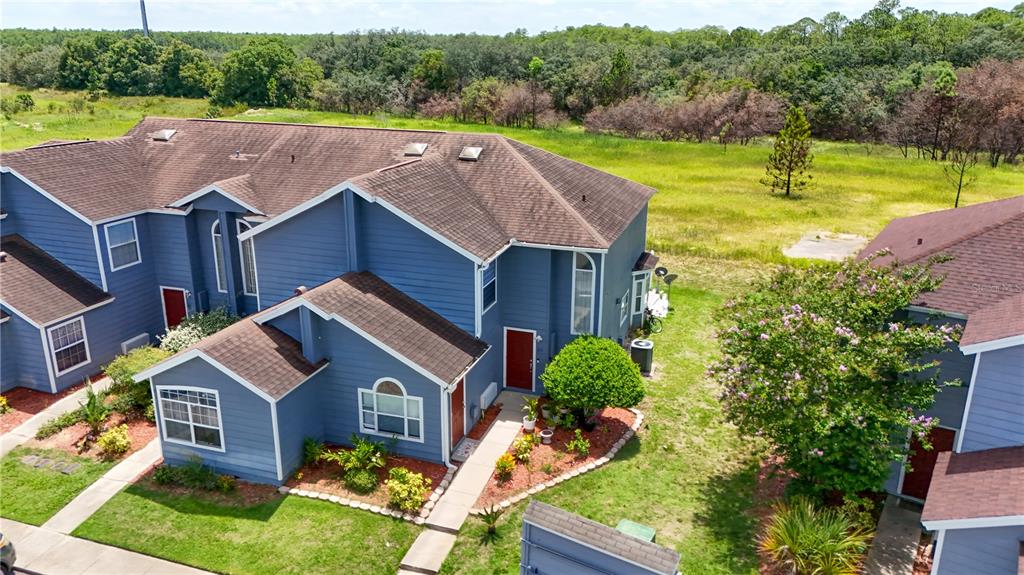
x,y
70,440
324,481
24,403
551,464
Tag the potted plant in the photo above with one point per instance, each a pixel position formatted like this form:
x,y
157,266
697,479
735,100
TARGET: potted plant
x,y
530,419
545,409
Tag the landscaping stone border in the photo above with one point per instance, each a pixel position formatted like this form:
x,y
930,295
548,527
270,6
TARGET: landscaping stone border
x,y
542,485
417,518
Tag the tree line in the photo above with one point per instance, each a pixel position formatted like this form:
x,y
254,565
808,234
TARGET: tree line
x,y
900,75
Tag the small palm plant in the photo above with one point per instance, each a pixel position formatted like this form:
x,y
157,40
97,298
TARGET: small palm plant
x,y
809,540
490,518
94,411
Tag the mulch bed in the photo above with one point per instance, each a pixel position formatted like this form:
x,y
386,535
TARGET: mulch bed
x,y
772,480
923,560
325,477
26,402
549,461
481,427
140,430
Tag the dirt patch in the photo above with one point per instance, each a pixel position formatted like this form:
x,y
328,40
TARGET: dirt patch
x,y
325,477
245,494
71,439
25,403
550,461
772,480
481,427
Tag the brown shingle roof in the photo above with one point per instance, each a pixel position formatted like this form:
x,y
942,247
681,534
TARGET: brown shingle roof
x,y
400,322
1001,320
40,287
263,355
658,559
513,191
976,484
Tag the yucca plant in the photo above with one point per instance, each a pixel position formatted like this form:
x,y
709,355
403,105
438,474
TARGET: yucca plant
x,y
94,411
490,517
809,540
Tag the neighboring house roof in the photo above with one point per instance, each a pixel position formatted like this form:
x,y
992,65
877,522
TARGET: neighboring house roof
x,y
659,559
263,355
41,288
401,323
985,273
977,488
513,191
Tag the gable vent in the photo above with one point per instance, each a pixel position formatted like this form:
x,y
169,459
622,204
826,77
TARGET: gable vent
x,y
470,153
164,135
414,149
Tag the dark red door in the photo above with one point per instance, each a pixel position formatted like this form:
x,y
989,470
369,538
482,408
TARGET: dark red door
x,y
519,359
922,463
174,306
458,413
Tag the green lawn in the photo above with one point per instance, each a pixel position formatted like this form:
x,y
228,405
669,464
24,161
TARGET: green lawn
x,y
33,495
284,535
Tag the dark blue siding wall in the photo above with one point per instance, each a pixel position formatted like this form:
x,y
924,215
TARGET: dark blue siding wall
x,y
545,552
50,227
486,371
417,264
22,357
992,551
308,250
137,303
288,323
996,417
299,415
248,430
618,276
525,295
169,250
204,250
357,363
215,202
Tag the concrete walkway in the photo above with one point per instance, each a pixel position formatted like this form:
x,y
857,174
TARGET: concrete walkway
x,y
895,545
431,548
89,501
27,430
47,552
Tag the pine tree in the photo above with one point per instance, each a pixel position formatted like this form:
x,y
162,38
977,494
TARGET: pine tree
x,y
789,164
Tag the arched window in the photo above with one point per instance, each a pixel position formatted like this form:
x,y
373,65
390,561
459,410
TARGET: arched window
x,y
388,410
583,288
245,250
218,257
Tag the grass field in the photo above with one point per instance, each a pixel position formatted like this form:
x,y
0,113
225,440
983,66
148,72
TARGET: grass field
x,y
33,495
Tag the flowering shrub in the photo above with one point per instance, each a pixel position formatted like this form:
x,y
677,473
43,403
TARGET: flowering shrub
x,y
406,489
194,328
504,467
4,406
115,441
814,361
179,337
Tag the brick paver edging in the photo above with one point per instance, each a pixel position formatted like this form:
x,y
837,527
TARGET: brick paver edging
x,y
542,485
417,519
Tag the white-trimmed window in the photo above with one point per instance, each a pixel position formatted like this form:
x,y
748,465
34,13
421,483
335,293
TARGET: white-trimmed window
x,y
624,307
69,345
122,244
388,410
191,415
583,288
248,255
489,285
218,257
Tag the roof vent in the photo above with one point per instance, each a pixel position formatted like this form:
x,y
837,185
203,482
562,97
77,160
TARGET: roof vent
x,y
3,256
301,290
164,135
414,149
470,153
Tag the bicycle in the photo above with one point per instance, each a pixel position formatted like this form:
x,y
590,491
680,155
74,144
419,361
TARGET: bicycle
x,y
652,323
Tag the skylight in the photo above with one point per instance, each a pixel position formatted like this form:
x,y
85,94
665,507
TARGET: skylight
x,y
163,135
415,149
470,153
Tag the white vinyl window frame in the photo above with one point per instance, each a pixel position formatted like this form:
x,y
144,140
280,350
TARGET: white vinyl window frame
x,y
639,293
57,346
134,241
162,417
485,284
218,257
577,293
373,410
624,305
247,253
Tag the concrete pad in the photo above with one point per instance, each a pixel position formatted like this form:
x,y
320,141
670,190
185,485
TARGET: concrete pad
x,y
449,515
136,463
70,556
895,545
112,561
36,545
84,505
821,245
428,552
13,530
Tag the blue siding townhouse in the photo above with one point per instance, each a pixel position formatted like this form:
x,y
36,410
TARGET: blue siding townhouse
x,y
973,480
392,282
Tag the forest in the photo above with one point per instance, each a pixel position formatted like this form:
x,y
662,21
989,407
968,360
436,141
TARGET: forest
x,y
931,83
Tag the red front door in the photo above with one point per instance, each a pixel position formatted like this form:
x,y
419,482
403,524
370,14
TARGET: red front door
x,y
519,359
458,413
922,463
174,306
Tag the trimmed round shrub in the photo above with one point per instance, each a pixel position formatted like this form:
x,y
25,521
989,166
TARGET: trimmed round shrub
x,y
115,442
592,373
406,489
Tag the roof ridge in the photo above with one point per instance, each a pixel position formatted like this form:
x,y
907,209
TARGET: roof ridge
x,y
554,193
301,124
962,239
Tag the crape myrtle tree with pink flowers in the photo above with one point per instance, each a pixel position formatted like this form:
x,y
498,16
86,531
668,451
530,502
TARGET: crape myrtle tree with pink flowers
x,y
819,362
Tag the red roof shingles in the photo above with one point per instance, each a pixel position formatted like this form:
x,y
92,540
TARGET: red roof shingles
x,y
40,287
977,484
513,191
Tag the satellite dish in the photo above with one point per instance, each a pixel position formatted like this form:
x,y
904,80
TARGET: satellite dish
x,y
661,272
670,278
